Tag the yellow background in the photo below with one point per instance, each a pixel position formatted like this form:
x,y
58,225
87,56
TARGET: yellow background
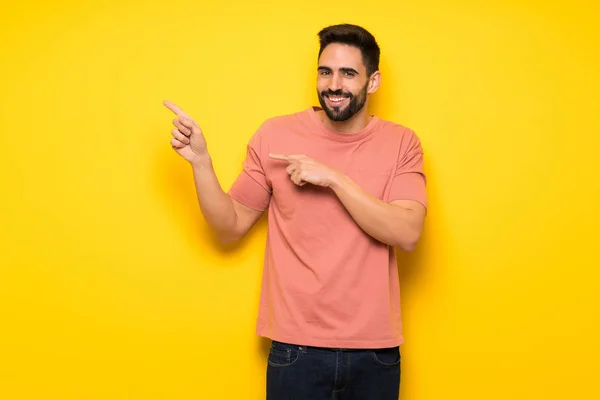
x,y
111,286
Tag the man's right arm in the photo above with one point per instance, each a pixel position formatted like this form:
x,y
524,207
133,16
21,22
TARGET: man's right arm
x,y
227,217
230,219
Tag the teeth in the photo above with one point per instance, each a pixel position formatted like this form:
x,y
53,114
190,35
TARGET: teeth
x,y
336,99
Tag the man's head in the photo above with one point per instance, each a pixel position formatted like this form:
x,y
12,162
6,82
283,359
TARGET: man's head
x,y
348,70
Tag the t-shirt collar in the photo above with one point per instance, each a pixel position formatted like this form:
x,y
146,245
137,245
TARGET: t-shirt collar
x,y
341,136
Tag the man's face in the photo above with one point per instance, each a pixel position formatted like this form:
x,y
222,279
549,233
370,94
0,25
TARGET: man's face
x,y
342,83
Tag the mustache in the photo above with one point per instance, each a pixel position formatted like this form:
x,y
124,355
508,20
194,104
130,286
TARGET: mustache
x,y
336,93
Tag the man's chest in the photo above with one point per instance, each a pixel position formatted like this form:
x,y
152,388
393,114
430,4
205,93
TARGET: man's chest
x,y
370,163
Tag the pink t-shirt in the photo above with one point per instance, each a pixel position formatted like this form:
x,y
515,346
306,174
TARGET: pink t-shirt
x,y
325,281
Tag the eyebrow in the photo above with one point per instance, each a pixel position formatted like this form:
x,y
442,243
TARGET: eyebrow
x,y
343,69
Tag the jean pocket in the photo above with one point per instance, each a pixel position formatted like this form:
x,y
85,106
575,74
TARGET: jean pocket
x,y
282,356
387,357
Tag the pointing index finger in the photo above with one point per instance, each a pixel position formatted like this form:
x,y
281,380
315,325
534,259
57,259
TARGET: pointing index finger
x,y
281,157
175,108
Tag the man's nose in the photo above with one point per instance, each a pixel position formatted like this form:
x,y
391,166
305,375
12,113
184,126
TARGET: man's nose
x,y
335,83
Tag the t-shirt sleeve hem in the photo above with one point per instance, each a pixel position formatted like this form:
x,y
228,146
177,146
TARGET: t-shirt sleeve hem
x,y
409,186
411,198
246,201
246,184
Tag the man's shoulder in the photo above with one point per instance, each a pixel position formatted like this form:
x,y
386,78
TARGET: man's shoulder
x,y
395,129
285,120
396,135
276,125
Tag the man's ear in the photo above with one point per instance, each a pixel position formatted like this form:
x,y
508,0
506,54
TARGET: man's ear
x,y
374,82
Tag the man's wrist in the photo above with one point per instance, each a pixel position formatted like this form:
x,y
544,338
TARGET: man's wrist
x,y
337,181
201,161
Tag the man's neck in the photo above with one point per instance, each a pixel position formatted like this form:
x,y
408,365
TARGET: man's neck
x,y
356,123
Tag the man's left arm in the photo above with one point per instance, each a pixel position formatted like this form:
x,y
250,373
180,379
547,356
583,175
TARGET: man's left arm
x,y
399,220
398,223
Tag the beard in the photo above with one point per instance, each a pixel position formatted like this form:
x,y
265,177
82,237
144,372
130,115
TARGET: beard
x,y
340,114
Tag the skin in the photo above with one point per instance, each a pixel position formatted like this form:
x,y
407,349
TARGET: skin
x,y
341,73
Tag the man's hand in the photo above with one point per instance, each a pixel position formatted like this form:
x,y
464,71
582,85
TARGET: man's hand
x,y
303,169
188,140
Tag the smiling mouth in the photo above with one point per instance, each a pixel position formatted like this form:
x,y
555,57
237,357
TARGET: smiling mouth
x,y
336,100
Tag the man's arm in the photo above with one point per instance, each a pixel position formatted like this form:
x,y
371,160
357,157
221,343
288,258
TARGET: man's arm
x,y
229,219
397,224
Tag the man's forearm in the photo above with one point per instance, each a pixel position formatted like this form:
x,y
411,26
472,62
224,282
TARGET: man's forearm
x,y
215,204
389,223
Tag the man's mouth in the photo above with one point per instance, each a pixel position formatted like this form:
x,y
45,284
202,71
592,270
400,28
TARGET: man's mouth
x,y
336,100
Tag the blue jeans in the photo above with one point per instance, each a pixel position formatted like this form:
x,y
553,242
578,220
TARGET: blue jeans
x,y
297,372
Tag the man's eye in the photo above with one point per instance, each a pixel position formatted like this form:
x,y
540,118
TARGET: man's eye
x,y
324,73
350,74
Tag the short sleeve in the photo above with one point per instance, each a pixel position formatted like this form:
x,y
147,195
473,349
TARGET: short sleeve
x,y
251,187
409,181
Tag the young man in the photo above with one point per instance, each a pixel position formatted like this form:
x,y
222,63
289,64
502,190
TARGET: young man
x,y
342,188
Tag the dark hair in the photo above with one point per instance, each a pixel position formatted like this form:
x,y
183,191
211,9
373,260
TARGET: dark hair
x,y
356,36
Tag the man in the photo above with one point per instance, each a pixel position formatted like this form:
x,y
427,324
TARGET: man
x,y
342,188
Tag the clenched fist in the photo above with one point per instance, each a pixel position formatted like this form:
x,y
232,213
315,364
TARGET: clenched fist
x,y
188,140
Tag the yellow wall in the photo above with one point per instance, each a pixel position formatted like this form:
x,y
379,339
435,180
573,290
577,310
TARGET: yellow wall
x,y
110,284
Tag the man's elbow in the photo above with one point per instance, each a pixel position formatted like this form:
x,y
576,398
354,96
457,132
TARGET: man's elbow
x,y
231,234
407,247
228,237
408,243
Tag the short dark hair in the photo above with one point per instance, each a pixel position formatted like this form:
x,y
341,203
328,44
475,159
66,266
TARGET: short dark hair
x,y
356,36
